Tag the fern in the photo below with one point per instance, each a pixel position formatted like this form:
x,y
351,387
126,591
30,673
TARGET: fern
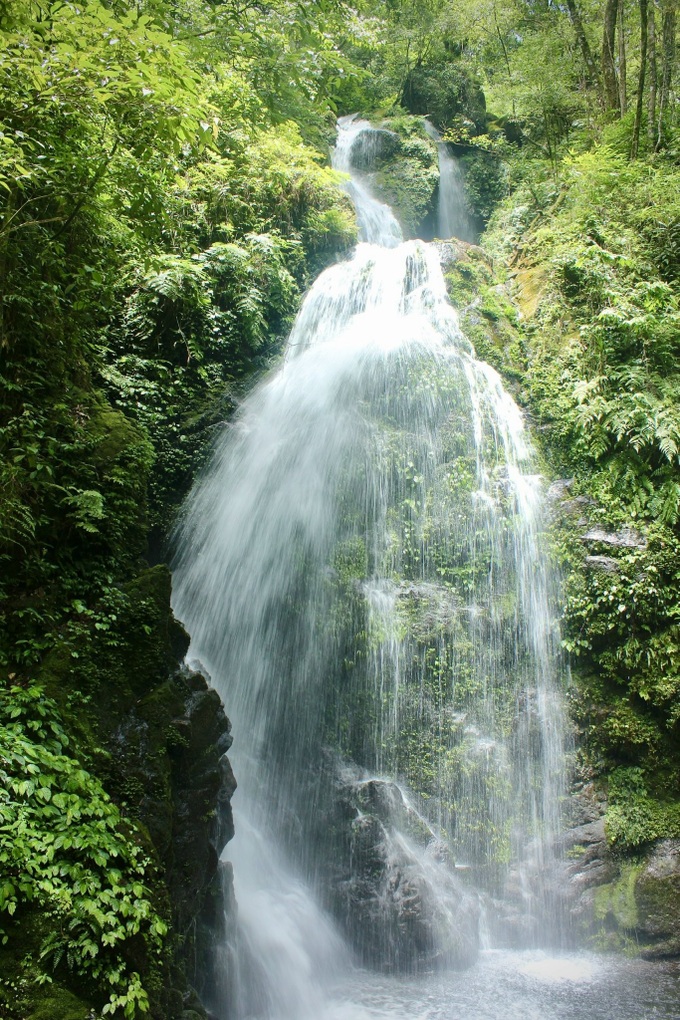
x,y
665,503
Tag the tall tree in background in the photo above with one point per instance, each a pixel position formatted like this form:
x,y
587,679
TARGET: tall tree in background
x,y
610,78
623,98
582,39
653,76
639,103
668,52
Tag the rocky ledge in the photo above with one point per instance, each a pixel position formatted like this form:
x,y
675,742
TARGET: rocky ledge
x,y
616,901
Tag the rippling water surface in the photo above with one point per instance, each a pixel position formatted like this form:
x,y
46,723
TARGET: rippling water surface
x,y
520,986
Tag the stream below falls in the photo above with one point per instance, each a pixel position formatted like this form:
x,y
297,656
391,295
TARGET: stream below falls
x,y
519,986
362,569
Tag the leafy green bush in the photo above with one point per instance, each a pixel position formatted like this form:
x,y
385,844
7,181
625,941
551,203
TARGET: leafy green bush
x,y
633,816
602,338
444,91
66,851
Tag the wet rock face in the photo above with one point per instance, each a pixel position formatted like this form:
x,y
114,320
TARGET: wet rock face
x,y
618,902
372,147
626,538
396,892
602,564
170,767
657,896
587,861
452,251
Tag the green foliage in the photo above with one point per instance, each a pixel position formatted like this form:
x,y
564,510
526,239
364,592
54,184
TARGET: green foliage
x,y
607,380
633,816
159,215
65,851
445,92
81,486
601,338
266,182
485,178
164,199
408,176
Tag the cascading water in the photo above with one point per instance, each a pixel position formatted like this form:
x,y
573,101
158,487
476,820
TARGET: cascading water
x,y
361,572
453,219
376,221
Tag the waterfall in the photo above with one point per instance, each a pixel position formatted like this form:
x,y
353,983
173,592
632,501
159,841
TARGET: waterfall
x,y
361,570
376,221
453,218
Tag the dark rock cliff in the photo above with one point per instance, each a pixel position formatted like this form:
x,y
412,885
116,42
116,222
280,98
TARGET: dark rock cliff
x,y
154,735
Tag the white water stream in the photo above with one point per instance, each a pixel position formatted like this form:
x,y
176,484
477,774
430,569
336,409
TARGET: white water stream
x,y
361,572
453,219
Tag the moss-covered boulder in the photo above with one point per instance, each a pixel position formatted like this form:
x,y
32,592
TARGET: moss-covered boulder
x,y
444,92
400,163
408,181
657,899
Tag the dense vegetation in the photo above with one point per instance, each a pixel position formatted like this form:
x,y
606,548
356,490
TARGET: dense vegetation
x,y
165,197
593,257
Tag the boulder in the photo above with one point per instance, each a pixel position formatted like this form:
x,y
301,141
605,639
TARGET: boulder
x,y
396,891
602,564
452,251
657,897
372,147
626,538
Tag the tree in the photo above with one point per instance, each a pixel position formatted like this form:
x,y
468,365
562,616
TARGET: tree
x,y
644,43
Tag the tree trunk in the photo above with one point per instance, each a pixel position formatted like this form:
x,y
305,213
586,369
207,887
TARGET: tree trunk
x,y
623,99
667,65
651,59
609,77
582,40
635,144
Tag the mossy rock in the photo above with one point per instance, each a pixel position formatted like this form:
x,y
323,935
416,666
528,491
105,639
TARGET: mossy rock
x,y
657,897
531,285
60,1004
408,182
401,164
373,147
157,641
446,93
615,903
114,435
639,912
488,317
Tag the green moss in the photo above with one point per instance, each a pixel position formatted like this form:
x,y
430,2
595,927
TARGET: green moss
x,y
633,816
405,173
488,317
351,560
486,182
658,901
616,901
60,1004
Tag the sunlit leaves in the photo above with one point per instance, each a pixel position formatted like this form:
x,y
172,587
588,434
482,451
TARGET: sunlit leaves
x,y
77,83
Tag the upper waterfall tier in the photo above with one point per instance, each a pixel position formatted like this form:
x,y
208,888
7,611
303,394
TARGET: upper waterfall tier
x,y
377,223
453,218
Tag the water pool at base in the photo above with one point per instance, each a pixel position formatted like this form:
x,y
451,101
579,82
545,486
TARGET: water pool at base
x,y
518,986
